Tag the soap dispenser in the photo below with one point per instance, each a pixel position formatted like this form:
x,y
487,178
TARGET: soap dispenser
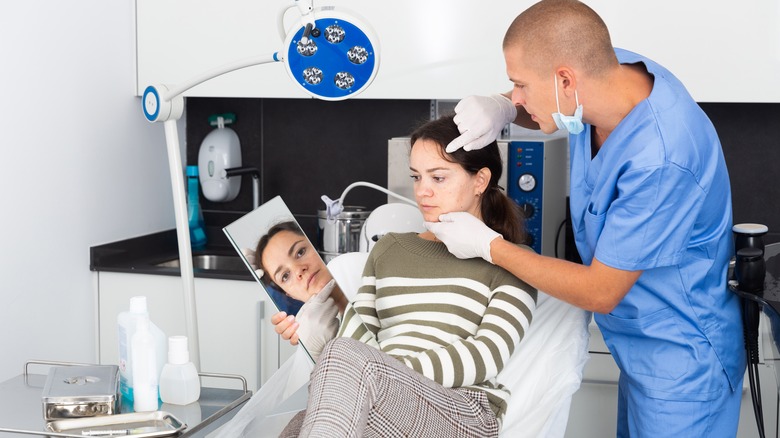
x,y
220,151
194,213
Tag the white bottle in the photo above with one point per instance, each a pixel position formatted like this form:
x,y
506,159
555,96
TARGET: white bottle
x,y
179,381
126,327
144,364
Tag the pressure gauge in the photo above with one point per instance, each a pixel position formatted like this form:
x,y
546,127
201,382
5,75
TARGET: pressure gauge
x,y
526,182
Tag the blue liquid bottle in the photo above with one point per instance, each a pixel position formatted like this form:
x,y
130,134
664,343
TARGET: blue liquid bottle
x,y
194,213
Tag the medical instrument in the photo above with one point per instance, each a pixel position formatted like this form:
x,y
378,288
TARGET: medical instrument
x,y
341,229
341,233
134,424
331,54
535,177
749,282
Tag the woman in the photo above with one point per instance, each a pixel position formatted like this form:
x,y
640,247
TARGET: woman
x,y
422,342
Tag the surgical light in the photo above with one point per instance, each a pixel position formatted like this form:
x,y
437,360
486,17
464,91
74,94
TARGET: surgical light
x,y
331,54
338,58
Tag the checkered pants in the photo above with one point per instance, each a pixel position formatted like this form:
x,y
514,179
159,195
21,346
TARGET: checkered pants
x,y
358,391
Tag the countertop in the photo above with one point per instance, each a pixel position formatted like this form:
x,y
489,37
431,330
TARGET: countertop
x,y
21,409
142,254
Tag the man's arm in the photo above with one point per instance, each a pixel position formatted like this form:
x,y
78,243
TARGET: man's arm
x,y
597,288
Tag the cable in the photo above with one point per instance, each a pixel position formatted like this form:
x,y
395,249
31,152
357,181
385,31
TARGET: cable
x,y
750,319
558,235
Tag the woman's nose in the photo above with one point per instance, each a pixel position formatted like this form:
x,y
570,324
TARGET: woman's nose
x,y
422,189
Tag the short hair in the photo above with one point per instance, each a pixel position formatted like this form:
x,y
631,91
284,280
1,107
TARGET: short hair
x,y
553,33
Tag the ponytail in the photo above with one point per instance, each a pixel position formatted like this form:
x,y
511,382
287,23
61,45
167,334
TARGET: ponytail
x,y
503,215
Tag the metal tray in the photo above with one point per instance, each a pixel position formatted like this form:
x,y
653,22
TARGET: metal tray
x,y
137,424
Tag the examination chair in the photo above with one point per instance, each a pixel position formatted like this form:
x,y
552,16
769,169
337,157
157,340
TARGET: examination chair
x,y
543,373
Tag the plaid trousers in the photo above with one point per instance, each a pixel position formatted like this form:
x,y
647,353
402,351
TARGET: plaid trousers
x,y
358,391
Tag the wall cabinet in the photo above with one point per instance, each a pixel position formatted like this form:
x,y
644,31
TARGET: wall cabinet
x,y
448,49
236,336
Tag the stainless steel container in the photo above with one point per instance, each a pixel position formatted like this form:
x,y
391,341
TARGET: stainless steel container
x,y
342,234
81,391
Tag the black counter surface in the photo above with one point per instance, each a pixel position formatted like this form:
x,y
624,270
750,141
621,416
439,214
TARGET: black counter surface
x,y
143,254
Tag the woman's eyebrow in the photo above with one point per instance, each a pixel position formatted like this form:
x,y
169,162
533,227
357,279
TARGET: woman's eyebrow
x,y
435,169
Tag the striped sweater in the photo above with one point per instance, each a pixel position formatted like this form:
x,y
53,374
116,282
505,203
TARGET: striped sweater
x,y
455,321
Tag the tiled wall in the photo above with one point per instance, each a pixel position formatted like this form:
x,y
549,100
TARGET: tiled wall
x,y
308,148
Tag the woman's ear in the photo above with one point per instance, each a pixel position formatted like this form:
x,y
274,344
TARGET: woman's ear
x,y
482,180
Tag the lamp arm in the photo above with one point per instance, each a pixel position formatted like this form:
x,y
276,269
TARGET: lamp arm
x,y
226,68
280,21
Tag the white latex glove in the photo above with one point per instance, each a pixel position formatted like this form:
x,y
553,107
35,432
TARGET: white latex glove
x,y
480,120
318,320
249,254
466,236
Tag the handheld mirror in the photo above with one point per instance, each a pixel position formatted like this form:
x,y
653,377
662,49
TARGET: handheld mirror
x,y
288,267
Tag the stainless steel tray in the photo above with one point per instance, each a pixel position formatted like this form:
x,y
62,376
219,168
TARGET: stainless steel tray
x,y
137,424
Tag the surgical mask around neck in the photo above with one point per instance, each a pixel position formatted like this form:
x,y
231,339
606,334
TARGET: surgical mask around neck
x,y
573,124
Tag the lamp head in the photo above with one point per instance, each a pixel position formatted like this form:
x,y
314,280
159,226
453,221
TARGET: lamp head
x,y
338,58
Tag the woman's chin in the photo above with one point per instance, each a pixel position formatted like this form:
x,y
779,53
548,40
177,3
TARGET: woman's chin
x,y
430,217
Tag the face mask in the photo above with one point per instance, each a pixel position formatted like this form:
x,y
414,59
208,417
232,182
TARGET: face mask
x,y
573,124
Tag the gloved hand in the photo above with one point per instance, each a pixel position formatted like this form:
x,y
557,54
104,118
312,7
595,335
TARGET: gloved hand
x,y
318,320
249,254
480,120
465,236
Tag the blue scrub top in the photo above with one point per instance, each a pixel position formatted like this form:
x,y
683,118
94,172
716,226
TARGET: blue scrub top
x,y
656,198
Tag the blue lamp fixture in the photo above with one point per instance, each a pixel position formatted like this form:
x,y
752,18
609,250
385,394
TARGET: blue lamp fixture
x,y
331,54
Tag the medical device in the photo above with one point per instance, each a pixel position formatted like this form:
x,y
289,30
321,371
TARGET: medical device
x,y
330,53
342,229
758,288
535,177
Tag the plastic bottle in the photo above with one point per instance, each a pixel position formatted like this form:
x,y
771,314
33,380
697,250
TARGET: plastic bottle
x,y
194,213
127,326
179,381
145,388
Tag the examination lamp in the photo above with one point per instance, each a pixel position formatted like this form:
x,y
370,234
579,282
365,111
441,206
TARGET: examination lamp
x,y
331,54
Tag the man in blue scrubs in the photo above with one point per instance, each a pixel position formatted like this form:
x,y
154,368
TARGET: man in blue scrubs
x,y
651,214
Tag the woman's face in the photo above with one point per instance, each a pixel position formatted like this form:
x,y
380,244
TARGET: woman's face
x,y
441,186
294,265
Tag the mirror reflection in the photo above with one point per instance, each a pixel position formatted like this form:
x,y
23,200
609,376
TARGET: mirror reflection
x,y
282,259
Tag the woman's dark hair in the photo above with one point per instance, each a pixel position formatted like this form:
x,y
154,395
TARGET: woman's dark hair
x,y
498,211
290,226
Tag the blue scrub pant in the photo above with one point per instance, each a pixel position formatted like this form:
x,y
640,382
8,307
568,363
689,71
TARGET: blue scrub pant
x,y
640,416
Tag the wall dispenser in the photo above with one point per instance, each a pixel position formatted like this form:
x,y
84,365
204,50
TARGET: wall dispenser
x,y
220,150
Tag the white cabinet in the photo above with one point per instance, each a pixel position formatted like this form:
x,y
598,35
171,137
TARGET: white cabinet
x,y
593,412
236,336
447,49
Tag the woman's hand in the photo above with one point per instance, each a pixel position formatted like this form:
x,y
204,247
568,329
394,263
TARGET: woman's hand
x,y
286,326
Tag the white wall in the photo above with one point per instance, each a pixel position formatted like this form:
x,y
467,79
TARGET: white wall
x,y
80,167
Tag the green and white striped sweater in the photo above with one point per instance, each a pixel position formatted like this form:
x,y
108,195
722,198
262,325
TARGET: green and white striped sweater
x,y
455,321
